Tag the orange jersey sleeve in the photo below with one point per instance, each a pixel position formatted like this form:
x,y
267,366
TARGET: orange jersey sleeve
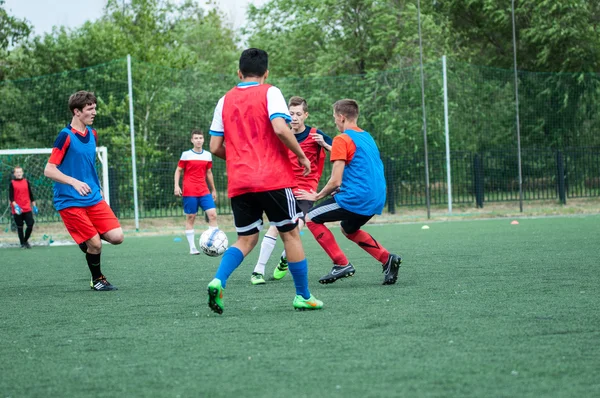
x,y
343,148
61,145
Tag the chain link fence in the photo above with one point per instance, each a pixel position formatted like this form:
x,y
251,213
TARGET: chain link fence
x,y
559,116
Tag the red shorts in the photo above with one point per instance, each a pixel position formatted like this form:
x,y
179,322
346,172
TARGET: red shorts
x,y
83,223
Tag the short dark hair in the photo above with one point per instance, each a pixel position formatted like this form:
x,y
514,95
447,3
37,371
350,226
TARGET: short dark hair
x,y
80,100
297,101
254,62
347,108
196,132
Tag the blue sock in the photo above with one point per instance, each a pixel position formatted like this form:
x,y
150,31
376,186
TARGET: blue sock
x,y
299,272
232,258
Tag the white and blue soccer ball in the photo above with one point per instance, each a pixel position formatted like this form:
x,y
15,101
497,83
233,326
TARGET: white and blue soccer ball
x,y
213,242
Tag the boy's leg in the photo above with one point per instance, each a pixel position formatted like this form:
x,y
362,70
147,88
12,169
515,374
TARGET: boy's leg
x,y
297,263
283,212
207,204
327,211
390,262
190,209
304,206
266,249
108,227
211,214
29,221
19,222
82,230
247,215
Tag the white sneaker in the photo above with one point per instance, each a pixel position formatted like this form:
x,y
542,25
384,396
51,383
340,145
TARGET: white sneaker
x,y
194,251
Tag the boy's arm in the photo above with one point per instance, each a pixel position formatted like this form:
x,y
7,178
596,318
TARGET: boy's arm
x,y
216,146
335,181
289,140
177,191
53,173
211,183
322,139
11,193
31,198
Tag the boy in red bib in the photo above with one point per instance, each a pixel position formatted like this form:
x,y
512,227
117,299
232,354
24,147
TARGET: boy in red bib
x,y
249,130
22,205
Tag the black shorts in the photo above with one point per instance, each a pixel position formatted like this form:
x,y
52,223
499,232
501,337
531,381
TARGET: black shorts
x,y
280,206
329,211
305,206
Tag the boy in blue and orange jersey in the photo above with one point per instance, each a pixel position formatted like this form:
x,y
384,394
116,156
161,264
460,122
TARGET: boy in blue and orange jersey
x,y
196,165
77,195
314,143
22,205
358,186
249,130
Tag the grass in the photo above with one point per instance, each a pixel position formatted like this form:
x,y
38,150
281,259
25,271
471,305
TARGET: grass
x,y
482,308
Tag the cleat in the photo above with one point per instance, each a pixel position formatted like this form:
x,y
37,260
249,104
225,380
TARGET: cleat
x,y
302,304
194,252
338,272
257,279
215,296
281,269
23,246
27,245
101,284
390,269
83,247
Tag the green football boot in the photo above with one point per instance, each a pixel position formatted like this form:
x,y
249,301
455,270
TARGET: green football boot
x,y
281,269
302,304
257,279
215,296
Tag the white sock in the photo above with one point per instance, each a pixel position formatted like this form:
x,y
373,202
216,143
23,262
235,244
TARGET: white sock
x,y
189,234
266,248
283,254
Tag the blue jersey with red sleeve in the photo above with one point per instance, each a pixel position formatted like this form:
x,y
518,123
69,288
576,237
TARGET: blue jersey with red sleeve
x,y
363,183
74,153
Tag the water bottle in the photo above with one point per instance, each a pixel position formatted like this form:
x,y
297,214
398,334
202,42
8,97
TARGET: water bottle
x,y
18,210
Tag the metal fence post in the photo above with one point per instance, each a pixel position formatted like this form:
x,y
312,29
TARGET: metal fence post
x,y
391,189
560,171
478,180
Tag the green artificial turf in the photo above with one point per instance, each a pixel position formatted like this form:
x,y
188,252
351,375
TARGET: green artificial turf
x,y
481,308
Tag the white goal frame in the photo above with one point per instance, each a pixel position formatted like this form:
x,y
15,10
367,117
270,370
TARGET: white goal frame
x,y
102,156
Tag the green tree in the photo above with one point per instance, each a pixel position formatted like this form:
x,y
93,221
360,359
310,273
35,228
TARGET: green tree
x,y
334,37
557,36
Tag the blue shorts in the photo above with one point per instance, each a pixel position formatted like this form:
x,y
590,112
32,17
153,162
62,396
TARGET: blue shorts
x,y
192,203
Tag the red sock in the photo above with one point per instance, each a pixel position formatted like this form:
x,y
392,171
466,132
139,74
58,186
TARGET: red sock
x,y
327,241
370,245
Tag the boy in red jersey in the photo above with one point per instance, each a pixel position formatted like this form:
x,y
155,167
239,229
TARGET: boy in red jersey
x,y
249,130
358,185
196,165
314,143
77,195
22,205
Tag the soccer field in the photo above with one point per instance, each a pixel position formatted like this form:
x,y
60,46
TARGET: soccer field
x,y
481,309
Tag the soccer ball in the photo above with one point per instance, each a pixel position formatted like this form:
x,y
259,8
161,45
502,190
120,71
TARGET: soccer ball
x,y
213,242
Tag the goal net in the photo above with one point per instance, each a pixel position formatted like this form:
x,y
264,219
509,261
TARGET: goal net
x,y
33,162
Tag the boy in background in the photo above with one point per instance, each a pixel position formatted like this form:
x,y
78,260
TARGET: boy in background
x,y
196,165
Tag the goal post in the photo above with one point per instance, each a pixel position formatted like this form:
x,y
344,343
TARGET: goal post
x,y
33,162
